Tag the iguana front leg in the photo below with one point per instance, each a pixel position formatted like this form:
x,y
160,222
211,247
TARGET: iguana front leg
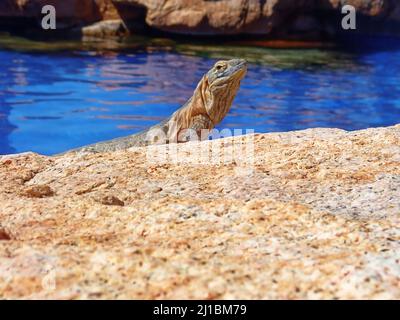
x,y
198,129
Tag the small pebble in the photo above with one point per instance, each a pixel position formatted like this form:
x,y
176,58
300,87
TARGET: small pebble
x,y
39,191
4,235
111,201
156,189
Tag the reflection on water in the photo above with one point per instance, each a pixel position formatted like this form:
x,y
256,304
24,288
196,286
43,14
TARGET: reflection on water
x,y
51,102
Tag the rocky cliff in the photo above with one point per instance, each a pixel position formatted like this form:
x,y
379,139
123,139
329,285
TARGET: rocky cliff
x,y
305,19
307,214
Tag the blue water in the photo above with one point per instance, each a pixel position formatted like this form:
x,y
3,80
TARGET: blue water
x,y
51,102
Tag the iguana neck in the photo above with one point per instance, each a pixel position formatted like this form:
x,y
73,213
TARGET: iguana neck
x,y
203,102
220,101
196,105
205,106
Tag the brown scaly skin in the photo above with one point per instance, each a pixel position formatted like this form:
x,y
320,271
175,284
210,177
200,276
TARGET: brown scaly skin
x,y
207,107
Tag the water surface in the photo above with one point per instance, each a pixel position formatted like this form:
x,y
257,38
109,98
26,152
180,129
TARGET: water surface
x,y
54,100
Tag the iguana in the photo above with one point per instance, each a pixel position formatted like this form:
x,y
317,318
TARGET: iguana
x,y
207,107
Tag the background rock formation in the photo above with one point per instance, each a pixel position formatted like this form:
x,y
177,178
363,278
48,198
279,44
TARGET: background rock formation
x,y
78,11
72,14
260,17
275,18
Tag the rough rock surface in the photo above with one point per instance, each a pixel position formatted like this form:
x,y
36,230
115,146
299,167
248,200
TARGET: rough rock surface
x,y
300,19
78,11
71,15
307,214
281,18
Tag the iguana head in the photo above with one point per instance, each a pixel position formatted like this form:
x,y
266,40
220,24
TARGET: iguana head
x,y
210,101
220,85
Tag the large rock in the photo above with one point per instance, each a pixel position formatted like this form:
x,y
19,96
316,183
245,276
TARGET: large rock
x,y
80,11
300,19
308,214
71,15
264,17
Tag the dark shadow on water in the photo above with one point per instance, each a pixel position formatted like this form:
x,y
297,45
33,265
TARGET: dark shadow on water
x,y
364,44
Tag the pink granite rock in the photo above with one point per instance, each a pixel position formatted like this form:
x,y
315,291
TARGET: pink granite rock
x,y
310,214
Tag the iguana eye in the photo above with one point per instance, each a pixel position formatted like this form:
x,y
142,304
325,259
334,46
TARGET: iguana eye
x,y
220,67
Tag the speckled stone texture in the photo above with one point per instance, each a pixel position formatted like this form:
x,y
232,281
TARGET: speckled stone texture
x,y
305,215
